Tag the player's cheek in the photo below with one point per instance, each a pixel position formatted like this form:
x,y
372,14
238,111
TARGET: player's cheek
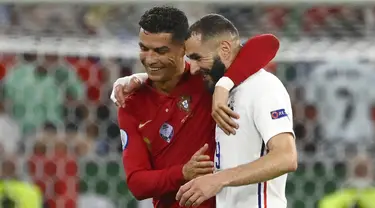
x,y
170,66
142,57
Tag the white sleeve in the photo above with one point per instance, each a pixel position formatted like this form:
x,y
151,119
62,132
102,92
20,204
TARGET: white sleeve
x,y
273,113
125,80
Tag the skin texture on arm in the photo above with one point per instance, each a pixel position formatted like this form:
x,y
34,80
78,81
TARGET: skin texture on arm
x,y
281,159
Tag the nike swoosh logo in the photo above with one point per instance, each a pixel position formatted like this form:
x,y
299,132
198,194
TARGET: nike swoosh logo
x,y
143,124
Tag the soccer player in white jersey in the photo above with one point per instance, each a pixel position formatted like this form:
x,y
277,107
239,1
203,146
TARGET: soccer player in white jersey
x,y
252,165
343,95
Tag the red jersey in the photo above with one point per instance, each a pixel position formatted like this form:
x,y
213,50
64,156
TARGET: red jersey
x,y
160,133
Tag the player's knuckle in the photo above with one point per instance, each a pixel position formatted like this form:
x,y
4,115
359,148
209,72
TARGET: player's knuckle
x,y
193,159
194,172
221,105
199,201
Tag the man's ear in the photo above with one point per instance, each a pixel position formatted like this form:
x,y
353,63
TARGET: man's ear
x,y
225,50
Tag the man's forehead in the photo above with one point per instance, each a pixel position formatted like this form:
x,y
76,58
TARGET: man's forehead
x,y
194,43
155,39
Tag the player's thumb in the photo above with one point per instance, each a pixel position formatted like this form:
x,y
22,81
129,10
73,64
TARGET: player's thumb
x,y
202,150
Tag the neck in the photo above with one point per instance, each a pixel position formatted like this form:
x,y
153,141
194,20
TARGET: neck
x,y
167,86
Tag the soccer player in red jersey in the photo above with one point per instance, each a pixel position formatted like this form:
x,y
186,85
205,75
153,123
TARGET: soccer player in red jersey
x,y
166,127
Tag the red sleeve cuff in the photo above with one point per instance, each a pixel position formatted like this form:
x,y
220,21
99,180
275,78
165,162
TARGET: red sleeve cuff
x,y
253,56
235,77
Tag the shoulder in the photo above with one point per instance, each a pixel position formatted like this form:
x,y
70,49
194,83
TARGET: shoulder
x,y
134,102
262,82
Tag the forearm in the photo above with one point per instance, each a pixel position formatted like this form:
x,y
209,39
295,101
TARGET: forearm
x,y
153,183
265,168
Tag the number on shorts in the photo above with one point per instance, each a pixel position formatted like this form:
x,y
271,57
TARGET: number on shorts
x,y
217,155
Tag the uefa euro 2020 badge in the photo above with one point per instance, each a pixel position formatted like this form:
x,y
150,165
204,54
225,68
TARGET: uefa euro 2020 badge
x,y
184,103
124,138
166,132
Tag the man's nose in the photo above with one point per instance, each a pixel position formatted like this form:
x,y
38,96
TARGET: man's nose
x,y
150,59
194,68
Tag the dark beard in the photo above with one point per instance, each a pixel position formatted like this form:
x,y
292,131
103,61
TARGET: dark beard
x,y
215,73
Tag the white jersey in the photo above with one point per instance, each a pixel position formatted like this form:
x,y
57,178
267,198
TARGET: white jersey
x,y
265,111
343,94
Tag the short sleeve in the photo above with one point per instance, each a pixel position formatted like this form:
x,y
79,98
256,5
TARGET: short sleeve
x,y
273,112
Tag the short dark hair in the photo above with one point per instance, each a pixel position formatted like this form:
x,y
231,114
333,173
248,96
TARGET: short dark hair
x,y
166,19
212,25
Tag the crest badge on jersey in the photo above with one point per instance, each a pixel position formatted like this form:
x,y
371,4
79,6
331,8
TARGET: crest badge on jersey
x,y
278,114
184,103
124,138
166,132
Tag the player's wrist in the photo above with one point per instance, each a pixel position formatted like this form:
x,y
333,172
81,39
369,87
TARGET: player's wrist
x,y
184,173
223,178
225,82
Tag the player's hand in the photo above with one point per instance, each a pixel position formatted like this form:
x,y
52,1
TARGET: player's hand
x,y
121,91
221,113
199,164
198,190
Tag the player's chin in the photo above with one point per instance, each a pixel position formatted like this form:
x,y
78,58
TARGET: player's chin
x,y
157,77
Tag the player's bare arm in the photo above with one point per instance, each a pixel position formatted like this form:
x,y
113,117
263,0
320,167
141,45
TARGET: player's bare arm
x,y
281,159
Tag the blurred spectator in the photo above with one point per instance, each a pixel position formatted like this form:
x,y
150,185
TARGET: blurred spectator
x,y
87,143
92,72
7,61
334,21
359,189
340,93
106,21
15,193
5,18
38,89
10,134
48,19
48,135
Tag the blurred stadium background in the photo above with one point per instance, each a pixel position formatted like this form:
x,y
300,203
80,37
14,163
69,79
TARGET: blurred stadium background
x,y
58,60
